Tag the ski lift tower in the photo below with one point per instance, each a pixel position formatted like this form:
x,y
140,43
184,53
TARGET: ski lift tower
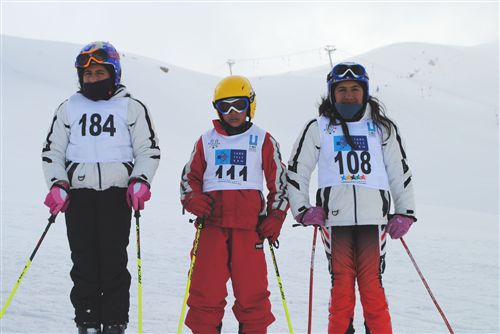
x,y
330,49
230,62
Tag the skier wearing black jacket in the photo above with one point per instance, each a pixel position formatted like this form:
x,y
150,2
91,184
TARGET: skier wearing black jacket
x,y
99,158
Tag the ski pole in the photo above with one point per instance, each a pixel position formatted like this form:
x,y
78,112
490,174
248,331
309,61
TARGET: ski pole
x,y
280,286
52,219
137,215
311,273
427,286
191,267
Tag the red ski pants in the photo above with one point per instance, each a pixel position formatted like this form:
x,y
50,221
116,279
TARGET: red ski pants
x,y
357,253
225,253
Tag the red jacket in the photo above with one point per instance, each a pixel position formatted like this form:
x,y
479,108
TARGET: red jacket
x,y
240,208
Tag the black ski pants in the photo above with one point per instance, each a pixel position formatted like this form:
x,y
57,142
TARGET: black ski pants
x,y
98,227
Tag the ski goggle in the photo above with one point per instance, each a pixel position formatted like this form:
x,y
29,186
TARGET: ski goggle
x,y
238,104
99,56
342,70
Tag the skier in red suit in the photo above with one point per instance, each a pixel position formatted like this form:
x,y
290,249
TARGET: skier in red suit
x,y
222,184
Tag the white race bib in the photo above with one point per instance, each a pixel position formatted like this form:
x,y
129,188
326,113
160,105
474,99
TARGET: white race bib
x,y
233,162
340,164
99,130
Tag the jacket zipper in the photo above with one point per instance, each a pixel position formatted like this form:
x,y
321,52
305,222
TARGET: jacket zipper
x,y
99,172
355,206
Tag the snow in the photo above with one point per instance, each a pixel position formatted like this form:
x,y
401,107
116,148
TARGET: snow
x,y
445,100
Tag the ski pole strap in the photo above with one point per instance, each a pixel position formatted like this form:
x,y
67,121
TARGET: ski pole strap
x,y
198,221
427,286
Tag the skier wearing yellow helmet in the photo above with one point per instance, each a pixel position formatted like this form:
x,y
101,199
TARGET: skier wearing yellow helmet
x,y
222,184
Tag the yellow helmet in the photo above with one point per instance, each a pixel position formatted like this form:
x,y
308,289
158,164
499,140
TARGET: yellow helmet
x,y
235,86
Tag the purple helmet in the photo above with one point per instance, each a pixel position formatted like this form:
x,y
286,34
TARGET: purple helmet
x,y
100,53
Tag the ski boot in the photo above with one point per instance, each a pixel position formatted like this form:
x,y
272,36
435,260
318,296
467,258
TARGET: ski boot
x,y
114,329
89,330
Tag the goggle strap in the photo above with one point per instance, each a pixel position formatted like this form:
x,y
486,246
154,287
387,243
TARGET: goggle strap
x,y
89,52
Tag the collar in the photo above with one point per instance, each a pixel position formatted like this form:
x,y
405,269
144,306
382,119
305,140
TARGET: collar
x,y
219,127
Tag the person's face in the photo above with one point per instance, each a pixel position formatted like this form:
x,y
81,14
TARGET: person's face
x,y
234,118
94,73
348,92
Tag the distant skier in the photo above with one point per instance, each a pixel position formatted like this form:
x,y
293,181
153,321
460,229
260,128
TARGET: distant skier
x,y
100,154
222,184
361,162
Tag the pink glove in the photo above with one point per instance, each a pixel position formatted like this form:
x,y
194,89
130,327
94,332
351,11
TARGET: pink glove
x,y
57,199
312,216
399,225
271,225
138,193
199,204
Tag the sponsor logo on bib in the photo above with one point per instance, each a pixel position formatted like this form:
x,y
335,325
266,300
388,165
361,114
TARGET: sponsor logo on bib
x,y
213,143
231,157
252,143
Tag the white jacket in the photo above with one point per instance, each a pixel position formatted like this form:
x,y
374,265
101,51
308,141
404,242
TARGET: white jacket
x,y
351,204
140,144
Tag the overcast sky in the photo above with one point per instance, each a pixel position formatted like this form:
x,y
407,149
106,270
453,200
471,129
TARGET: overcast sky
x,y
262,37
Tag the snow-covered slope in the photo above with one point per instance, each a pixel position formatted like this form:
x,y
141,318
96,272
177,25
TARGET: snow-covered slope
x,y
445,100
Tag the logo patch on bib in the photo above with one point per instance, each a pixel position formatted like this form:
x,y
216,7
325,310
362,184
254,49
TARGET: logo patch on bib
x,y
231,157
